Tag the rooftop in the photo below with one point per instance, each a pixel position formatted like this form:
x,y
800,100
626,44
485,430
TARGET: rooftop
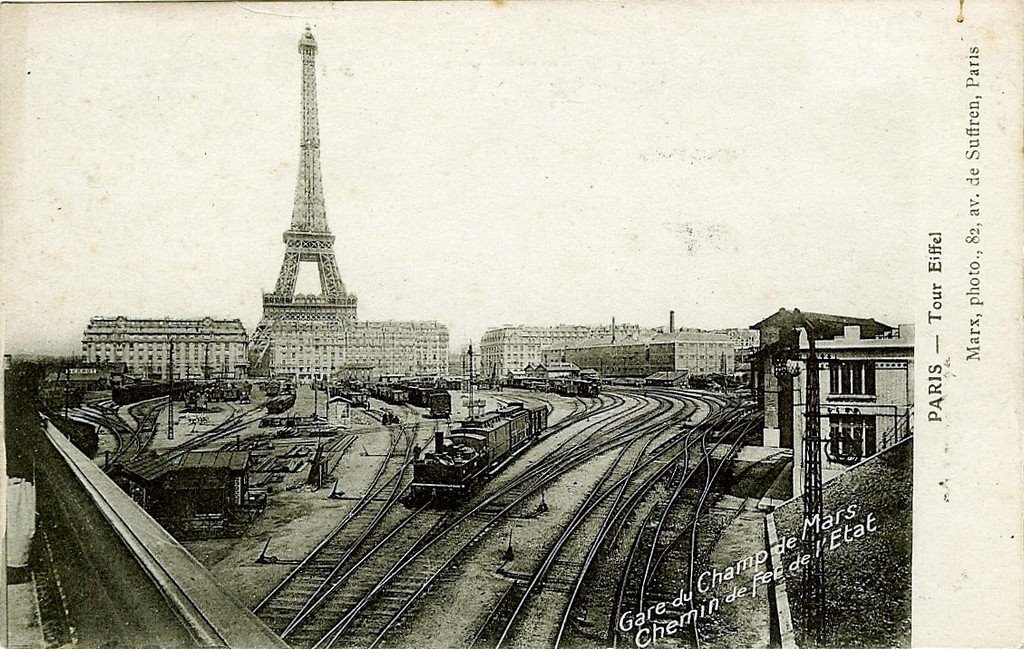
x,y
853,336
558,366
827,325
152,466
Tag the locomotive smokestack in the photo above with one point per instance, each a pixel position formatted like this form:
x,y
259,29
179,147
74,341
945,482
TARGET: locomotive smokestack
x,y
671,322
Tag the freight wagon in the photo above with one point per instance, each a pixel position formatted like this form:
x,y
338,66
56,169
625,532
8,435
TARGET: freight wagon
x,y
282,402
575,388
350,392
141,391
393,394
436,401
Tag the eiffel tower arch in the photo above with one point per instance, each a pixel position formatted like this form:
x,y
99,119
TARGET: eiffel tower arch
x,y
308,240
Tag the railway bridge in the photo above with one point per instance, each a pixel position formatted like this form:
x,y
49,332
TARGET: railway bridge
x,y
119,576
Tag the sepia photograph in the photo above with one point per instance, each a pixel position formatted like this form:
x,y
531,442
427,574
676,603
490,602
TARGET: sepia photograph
x,y
505,324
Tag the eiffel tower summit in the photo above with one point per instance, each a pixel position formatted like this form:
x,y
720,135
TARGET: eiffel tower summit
x,y
315,336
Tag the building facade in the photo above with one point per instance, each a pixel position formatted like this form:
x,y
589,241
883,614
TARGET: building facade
x,y
510,348
866,388
158,348
392,347
695,352
742,339
770,379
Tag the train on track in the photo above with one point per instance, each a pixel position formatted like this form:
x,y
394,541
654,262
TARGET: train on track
x,y
280,403
189,390
575,387
143,390
351,392
435,400
474,450
563,386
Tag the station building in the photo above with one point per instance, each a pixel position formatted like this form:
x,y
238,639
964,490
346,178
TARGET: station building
x,y
866,396
159,348
771,379
552,370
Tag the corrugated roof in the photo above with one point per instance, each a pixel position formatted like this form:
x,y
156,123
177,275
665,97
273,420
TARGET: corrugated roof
x,y
829,325
236,460
152,466
558,366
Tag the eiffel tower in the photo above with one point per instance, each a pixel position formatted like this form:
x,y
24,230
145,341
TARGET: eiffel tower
x,y
307,240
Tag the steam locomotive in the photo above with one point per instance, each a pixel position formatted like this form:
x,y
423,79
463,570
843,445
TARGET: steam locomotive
x,y
473,450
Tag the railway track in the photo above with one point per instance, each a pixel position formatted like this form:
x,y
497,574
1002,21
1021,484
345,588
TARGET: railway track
x,y
132,438
380,611
652,544
289,601
628,478
389,581
335,558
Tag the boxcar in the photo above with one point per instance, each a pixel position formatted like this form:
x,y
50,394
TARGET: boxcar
x,y
439,403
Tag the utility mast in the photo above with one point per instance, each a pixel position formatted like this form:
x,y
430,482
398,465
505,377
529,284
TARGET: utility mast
x,y
472,406
170,390
813,572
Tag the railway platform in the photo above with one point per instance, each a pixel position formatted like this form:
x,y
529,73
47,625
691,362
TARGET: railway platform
x,y
126,576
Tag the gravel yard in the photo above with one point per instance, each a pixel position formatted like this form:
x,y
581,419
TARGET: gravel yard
x,y
867,580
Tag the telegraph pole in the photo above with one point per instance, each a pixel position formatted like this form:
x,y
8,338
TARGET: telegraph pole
x,y
170,386
814,571
67,386
472,403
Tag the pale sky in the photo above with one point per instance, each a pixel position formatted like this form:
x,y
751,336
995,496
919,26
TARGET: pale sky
x,y
483,164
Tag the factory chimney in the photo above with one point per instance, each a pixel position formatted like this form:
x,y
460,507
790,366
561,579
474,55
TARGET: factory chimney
x,y
613,330
671,322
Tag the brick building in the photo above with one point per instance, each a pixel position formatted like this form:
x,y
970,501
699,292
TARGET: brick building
x,y
695,352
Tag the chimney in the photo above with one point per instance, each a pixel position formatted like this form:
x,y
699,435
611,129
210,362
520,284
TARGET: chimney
x,y
671,322
613,330
438,440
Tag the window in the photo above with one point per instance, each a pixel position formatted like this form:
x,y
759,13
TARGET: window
x,y
851,438
851,377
